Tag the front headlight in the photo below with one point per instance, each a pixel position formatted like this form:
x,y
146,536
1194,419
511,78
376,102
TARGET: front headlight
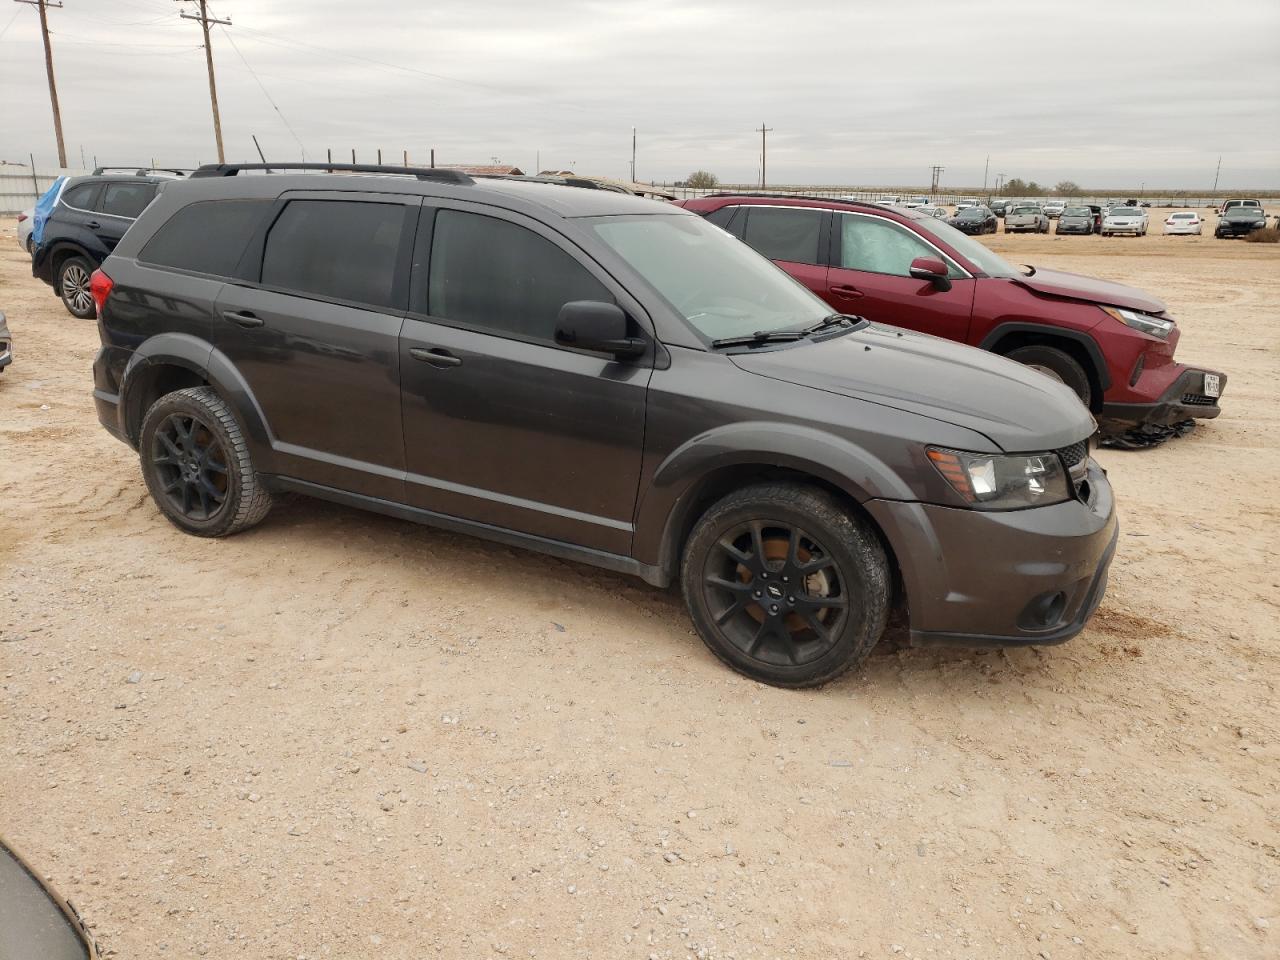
x,y
1143,322
989,481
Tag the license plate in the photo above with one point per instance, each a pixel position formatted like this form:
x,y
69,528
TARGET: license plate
x,y
1212,385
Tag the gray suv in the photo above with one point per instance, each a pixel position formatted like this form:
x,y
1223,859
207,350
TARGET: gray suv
x,y
600,378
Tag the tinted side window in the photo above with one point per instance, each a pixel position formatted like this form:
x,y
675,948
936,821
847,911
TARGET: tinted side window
x,y
781,233
81,196
494,275
206,237
722,217
878,246
127,199
342,249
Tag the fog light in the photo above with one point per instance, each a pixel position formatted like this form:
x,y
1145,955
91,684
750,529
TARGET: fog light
x,y
1044,611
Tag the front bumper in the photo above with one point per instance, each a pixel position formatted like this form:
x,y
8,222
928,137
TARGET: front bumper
x,y
1135,228
1013,578
6,344
1084,228
1184,399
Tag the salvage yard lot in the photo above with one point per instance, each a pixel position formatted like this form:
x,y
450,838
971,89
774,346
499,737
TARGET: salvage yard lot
x,y
343,735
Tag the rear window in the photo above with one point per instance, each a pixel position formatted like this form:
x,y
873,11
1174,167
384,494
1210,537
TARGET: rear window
x,y
127,199
80,197
206,237
1184,216
339,249
781,233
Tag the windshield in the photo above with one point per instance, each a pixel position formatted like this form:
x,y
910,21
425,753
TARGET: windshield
x,y
972,213
717,283
986,261
1246,213
1077,212
1125,212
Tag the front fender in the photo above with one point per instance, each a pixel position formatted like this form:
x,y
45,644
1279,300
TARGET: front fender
x,y
673,488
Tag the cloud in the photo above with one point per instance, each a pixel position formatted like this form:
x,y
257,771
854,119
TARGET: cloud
x,y
872,92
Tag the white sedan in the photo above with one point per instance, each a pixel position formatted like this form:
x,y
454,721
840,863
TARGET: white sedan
x,y
1184,221
26,219
1125,220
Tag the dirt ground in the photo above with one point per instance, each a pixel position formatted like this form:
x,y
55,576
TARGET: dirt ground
x,y
341,735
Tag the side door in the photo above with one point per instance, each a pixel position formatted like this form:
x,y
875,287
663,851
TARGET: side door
x,y
71,216
870,275
313,328
792,237
502,425
121,204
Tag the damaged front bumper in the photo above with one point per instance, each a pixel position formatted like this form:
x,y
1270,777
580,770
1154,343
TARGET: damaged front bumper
x,y
1195,394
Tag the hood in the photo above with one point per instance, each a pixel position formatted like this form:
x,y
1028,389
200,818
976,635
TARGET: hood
x,y
1012,405
1059,284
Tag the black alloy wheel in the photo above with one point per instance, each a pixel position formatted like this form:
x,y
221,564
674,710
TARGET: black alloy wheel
x,y
775,593
786,584
191,466
196,461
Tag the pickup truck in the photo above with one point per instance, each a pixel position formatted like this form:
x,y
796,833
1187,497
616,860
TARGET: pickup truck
x,y
1026,217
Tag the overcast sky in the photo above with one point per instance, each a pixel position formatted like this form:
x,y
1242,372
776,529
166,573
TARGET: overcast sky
x,y
1108,93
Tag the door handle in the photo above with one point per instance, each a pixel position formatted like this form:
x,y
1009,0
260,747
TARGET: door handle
x,y
94,225
435,356
245,319
846,291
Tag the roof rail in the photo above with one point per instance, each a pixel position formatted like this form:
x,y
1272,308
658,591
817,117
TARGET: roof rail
x,y
443,174
143,171
801,196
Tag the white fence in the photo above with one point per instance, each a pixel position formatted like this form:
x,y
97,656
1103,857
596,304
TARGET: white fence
x,y
20,187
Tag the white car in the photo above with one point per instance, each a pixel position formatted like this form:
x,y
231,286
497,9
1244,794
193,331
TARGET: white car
x,y
26,220
1184,221
1125,220
1053,209
915,203
890,201
964,203
929,210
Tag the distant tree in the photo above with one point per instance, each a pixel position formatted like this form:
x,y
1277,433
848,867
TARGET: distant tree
x,y
1034,189
1068,187
702,180
1017,187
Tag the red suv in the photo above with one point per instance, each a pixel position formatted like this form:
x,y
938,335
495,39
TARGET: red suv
x,y
1110,343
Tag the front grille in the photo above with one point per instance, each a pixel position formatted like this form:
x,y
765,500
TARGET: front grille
x,y
1198,400
1074,454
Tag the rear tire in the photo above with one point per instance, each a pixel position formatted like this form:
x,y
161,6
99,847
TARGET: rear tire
x,y
73,287
196,464
1057,364
785,585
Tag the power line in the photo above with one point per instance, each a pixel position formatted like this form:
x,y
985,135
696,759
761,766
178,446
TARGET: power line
x,y
42,6
204,20
12,21
265,93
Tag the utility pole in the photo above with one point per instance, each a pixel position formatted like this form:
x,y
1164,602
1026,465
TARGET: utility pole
x,y
985,167
42,6
764,131
999,182
208,57
633,154
1216,173
936,173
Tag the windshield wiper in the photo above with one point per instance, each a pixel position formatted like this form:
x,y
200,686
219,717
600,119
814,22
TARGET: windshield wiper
x,y
831,320
759,337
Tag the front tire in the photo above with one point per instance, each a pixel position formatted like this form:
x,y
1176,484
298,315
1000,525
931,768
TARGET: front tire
x,y
785,585
196,464
1058,365
73,287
